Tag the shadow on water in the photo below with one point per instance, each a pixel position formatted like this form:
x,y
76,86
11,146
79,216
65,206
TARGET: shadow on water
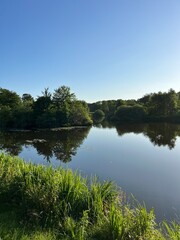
x,y
62,144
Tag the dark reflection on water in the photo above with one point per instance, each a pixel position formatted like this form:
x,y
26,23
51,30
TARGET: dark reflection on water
x,y
160,134
62,144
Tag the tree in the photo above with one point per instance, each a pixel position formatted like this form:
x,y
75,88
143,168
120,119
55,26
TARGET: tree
x,y
9,103
145,100
163,104
46,119
79,114
41,104
62,96
26,97
119,103
171,102
46,93
5,117
23,116
98,115
134,113
9,98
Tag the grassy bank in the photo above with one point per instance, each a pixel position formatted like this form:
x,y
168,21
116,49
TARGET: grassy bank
x,y
38,202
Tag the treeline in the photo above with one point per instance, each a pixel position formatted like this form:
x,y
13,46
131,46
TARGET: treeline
x,y
153,107
62,108
50,110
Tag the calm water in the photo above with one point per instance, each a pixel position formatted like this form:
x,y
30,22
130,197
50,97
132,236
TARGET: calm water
x,y
143,159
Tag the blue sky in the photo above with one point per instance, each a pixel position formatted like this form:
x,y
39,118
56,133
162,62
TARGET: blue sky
x,y
101,49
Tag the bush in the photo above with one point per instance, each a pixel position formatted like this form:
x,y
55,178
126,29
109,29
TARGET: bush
x,y
98,115
134,113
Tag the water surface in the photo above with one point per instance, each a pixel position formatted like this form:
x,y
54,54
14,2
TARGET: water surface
x,y
144,159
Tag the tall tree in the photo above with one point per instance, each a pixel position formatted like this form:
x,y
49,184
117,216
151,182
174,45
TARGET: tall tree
x,y
171,102
9,98
79,113
163,104
26,97
9,103
63,95
46,93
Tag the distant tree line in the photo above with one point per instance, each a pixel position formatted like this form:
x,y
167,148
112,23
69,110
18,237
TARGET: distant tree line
x,y
50,110
153,107
61,108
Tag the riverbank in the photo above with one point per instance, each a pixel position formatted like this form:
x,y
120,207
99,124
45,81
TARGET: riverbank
x,y
39,202
47,129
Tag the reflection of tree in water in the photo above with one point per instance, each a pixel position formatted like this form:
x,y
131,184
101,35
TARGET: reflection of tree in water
x,y
62,144
130,128
71,140
44,149
106,124
163,134
10,144
160,134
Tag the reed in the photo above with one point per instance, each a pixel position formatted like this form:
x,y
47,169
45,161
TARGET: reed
x,y
172,230
40,202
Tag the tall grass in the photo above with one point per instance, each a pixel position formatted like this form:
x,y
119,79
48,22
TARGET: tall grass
x,y
48,203
172,230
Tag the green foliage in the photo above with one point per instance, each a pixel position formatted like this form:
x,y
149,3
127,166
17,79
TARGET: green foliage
x,y
9,99
26,97
12,228
63,109
115,223
63,95
108,108
46,195
134,113
163,104
76,230
79,114
46,119
41,104
98,115
59,204
158,107
6,118
125,223
47,111
23,117
145,99
172,230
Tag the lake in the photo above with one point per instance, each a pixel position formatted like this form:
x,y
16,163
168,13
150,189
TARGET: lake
x,y
143,159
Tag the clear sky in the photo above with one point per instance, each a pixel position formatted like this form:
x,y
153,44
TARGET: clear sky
x,y
101,49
